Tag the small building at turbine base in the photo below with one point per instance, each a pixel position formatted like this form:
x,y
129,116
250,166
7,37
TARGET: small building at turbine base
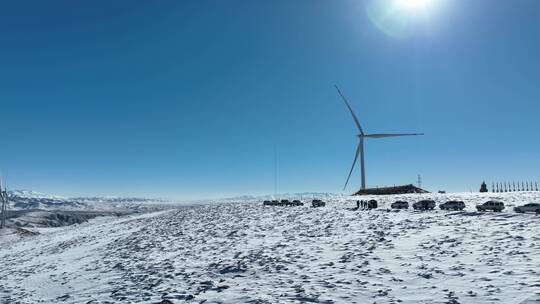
x,y
391,190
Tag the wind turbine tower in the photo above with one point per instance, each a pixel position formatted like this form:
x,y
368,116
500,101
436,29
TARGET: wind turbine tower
x,y
361,137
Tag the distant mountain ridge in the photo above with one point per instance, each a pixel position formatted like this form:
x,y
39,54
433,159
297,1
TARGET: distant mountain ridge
x,y
289,196
28,199
32,194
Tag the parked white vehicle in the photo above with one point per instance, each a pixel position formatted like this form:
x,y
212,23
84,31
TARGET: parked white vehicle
x,y
400,205
532,207
317,203
424,205
297,203
452,205
494,206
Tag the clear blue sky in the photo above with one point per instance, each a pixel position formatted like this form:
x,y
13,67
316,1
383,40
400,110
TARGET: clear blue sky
x,y
188,99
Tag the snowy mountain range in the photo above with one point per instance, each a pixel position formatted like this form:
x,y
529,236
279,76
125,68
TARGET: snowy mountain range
x,y
290,196
27,199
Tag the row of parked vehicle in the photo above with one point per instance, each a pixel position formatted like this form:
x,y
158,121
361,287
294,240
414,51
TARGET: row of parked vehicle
x,y
495,206
429,205
293,203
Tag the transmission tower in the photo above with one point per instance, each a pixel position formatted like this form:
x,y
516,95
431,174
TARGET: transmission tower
x,y
4,200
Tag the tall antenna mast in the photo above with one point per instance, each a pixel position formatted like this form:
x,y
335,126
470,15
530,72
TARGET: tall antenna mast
x,y
275,172
2,205
419,181
4,199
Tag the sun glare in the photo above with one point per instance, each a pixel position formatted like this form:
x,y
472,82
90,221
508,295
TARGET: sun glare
x,y
400,18
413,4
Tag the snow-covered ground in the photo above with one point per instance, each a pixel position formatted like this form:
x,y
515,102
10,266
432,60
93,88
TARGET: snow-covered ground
x,y
249,253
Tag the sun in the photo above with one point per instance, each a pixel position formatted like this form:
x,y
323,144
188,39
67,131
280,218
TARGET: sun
x,y
400,18
413,4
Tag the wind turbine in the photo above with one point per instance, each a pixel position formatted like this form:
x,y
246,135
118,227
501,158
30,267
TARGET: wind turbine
x,y
360,148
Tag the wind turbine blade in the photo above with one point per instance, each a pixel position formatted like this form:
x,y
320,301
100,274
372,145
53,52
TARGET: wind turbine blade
x,y
350,109
391,135
352,167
